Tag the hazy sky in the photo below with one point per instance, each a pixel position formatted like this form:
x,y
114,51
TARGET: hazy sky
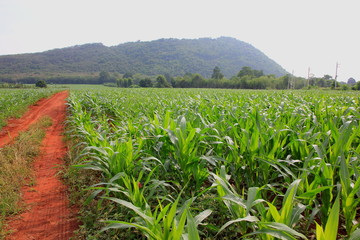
x,y
297,34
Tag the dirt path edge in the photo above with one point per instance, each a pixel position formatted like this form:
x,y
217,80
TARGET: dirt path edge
x,y
48,214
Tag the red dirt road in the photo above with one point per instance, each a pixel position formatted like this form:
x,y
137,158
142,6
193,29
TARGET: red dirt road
x,y
47,106
49,215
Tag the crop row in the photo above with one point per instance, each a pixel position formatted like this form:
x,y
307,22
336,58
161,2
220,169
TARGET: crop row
x,y
191,164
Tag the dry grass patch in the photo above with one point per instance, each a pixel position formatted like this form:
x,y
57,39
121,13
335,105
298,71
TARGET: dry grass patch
x,y
15,165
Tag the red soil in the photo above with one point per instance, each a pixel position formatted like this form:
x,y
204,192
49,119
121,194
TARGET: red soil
x,y
49,215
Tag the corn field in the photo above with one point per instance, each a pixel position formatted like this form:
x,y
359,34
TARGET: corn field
x,y
220,164
13,102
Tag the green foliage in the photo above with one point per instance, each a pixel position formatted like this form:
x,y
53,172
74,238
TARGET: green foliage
x,y
268,164
13,85
357,86
124,82
14,102
167,222
217,73
330,232
161,82
247,71
104,77
164,56
145,82
128,75
41,84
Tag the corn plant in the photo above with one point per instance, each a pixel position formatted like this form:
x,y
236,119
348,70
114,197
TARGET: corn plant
x,y
193,168
239,208
164,222
350,192
331,229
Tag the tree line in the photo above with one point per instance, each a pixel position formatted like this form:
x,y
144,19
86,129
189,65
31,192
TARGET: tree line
x,y
246,78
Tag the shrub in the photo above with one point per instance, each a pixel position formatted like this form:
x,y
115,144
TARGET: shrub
x,y
41,84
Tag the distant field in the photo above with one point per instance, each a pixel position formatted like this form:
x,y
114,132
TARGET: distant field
x,y
78,86
13,102
212,163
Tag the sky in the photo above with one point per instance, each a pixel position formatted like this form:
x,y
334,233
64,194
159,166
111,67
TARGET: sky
x,y
297,34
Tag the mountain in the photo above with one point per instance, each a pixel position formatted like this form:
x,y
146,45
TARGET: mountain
x,y
164,56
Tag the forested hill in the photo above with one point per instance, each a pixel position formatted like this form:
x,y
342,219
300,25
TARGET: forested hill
x,y
165,56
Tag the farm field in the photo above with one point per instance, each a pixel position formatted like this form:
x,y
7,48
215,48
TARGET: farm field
x,y
217,164
14,102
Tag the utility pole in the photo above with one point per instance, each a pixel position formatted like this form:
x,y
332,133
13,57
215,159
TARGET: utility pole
x,y
308,83
336,71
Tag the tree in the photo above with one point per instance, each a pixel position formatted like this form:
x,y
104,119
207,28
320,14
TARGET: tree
x,y
161,82
217,73
351,81
129,82
248,71
321,82
128,75
258,73
197,80
145,82
104,77
245,71
41,84
327,77
124,82
357,86
119,82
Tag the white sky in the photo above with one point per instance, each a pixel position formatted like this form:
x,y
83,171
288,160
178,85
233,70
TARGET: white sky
x,y
297,34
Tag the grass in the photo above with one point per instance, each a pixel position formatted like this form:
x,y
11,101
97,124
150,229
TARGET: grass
x,y
78,181
15,165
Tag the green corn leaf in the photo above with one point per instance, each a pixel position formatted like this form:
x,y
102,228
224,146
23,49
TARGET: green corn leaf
x,y
252,192
117,225
275,233
131,206
245,219
344,176
171,215
355,235
192,231
183,124
288,203
122,225
296,214
274,212
172,136
332,224
312,193
201,216
179,229
291,191
320,235
92,196
284,228
163,212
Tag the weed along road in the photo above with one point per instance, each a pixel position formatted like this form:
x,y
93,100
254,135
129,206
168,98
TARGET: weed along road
x,y
47,214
